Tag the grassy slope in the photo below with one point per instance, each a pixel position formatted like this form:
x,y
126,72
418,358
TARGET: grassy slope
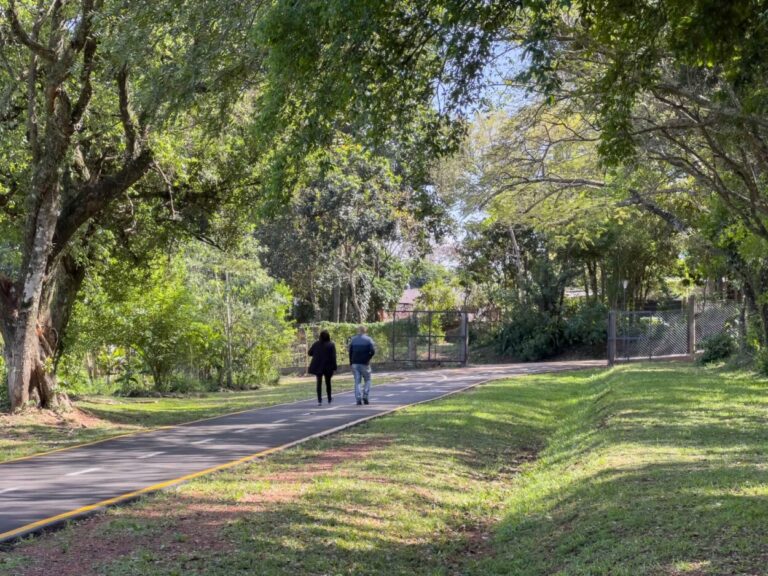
x,y
27,434
665,473
645,470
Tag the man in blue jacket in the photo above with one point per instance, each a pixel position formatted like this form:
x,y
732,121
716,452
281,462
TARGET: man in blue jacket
x,y
361,350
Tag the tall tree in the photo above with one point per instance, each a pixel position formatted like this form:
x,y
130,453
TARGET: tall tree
x,y
677,86
351,224
88,88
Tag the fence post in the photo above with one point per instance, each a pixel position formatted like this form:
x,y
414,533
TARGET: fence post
x,y
464,335
429,336
692,327
611,337
394,335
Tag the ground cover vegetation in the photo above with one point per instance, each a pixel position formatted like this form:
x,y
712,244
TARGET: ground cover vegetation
x,y
643,469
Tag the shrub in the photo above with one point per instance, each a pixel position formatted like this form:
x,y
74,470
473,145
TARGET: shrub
x,y
132,386
761,361
586,326
531,336
718,347
183,384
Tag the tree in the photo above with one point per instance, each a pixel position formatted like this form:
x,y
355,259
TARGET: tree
x,y
150,313
679,87
373,69
352,223
88,91
245,308
548,215
203,316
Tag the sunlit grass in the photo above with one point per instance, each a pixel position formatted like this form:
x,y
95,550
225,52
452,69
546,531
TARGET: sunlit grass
x,y
642,470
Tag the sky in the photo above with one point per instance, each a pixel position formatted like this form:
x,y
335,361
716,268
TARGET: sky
x,y
498,93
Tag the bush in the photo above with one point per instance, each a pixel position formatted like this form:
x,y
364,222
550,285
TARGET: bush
x,y
586,326
718,347
761,361
531,336
183,384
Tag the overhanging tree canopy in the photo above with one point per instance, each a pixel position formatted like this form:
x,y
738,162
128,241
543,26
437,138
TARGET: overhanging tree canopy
x,y
88,91
91,90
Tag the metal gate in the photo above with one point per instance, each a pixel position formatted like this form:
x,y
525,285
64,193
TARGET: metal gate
x,y
634,335
424,336
651,334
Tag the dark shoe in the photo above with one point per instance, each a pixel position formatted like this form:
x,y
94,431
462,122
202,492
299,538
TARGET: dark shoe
x,y
359,403
365,401
330,400
319,402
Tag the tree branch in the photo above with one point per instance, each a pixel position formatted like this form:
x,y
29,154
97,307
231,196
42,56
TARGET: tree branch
x,y
84,41
95,198
22,36
125,112
636,199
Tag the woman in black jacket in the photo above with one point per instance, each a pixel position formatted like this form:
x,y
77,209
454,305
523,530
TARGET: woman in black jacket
x,y
323,364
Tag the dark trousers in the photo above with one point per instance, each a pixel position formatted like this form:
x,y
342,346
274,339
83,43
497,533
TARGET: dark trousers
x,y
320,386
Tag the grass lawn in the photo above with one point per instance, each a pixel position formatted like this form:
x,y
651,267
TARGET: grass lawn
x,y
648,469
99,417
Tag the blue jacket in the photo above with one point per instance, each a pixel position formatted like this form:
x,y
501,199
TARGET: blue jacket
x,y
361,349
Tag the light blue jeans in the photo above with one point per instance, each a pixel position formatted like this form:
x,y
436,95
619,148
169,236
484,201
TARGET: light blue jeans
x,y
360,372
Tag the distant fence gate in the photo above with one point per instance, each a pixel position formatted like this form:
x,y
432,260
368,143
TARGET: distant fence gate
x,y
634,335
407,337
429,336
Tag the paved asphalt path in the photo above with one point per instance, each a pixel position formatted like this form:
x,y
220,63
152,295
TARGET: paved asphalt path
x,y
45,490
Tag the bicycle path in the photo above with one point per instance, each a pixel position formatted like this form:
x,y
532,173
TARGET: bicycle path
x,y
42,491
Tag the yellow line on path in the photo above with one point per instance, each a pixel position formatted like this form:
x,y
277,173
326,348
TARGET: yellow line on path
x,y
29,528
33,526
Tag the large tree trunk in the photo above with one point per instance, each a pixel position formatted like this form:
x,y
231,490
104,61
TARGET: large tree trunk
x,y
30,378
27,352
63,194
33,334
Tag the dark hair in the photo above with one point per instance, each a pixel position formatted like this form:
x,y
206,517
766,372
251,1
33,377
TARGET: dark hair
x,y
325,336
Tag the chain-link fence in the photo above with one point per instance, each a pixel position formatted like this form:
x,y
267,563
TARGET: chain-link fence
x,y
429,336
651,334
409,337
714,317
668,333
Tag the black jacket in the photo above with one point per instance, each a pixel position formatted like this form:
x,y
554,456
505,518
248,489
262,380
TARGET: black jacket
x,y
323,358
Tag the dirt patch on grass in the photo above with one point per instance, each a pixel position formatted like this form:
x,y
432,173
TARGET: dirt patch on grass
x,y
74,418
693,569
328,460
170,530
185,525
